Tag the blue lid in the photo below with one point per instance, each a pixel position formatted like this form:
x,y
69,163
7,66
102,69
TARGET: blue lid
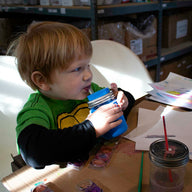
x,y
98,94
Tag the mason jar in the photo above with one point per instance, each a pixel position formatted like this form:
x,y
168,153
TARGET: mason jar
x,y
102,97
167,168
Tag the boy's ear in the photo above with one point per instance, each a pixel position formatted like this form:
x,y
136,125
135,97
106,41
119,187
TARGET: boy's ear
x,y
40,80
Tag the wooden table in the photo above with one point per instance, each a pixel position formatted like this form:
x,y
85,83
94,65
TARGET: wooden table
x,y
121,175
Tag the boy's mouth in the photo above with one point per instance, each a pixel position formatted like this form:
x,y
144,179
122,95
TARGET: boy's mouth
x,y
87,88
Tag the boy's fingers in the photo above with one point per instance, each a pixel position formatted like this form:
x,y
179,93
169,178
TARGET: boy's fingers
x,y
120,97
114,86
114,89
115,123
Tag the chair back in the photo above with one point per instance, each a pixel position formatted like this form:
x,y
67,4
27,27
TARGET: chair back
x,y
14,93
114,62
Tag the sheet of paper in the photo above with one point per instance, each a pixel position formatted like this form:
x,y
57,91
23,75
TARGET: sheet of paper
x,y
178,125
175,84
146,120
175,90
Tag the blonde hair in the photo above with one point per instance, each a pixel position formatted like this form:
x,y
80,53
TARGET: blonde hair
x,y
46,46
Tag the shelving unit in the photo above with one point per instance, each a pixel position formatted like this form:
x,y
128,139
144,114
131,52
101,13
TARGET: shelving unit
x,y
95,13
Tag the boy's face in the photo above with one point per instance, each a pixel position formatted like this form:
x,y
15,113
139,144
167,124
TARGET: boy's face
x,y
72,83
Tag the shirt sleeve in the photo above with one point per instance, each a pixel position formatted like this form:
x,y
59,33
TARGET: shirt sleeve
x,y
131,101
40,146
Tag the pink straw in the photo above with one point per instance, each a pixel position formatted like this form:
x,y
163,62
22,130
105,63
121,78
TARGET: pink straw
x,y
165,132
167,146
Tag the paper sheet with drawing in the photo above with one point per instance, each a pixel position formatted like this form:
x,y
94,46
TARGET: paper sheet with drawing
x,y
174,90
150,128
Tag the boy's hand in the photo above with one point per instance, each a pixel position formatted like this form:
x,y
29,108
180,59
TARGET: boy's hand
x,y
105,118
121,98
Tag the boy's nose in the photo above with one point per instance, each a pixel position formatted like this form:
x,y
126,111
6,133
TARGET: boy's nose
x,y
87,75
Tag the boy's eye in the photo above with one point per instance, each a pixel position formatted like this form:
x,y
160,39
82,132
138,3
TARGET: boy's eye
x,y
77,69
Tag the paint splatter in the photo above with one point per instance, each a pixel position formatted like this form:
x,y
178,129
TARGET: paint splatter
x,y
127,148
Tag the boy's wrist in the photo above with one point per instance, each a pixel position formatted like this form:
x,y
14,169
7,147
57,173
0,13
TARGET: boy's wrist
x,y
91,125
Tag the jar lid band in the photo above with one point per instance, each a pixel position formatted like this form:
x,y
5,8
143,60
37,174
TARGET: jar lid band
x,y
177,155
109,96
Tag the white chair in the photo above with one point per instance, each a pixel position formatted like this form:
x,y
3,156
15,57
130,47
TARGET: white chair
x,y
14,93
114,62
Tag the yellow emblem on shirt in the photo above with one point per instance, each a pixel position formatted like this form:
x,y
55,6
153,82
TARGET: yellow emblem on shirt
x,y
78,115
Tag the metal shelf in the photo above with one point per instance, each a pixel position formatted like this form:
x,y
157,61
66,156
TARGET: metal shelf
x,y
129,8
94,13
176,4
151,63
82,12
102,11
173,52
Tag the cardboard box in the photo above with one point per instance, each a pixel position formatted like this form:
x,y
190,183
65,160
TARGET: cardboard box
x,y
5,31
176,29
64,2
181,66
143,44
87,31
44,2
112,31
100,2
152,72
87,2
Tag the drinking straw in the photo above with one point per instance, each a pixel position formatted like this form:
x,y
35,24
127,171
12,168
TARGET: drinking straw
x,y
91,91
165,133
141,174
167,146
